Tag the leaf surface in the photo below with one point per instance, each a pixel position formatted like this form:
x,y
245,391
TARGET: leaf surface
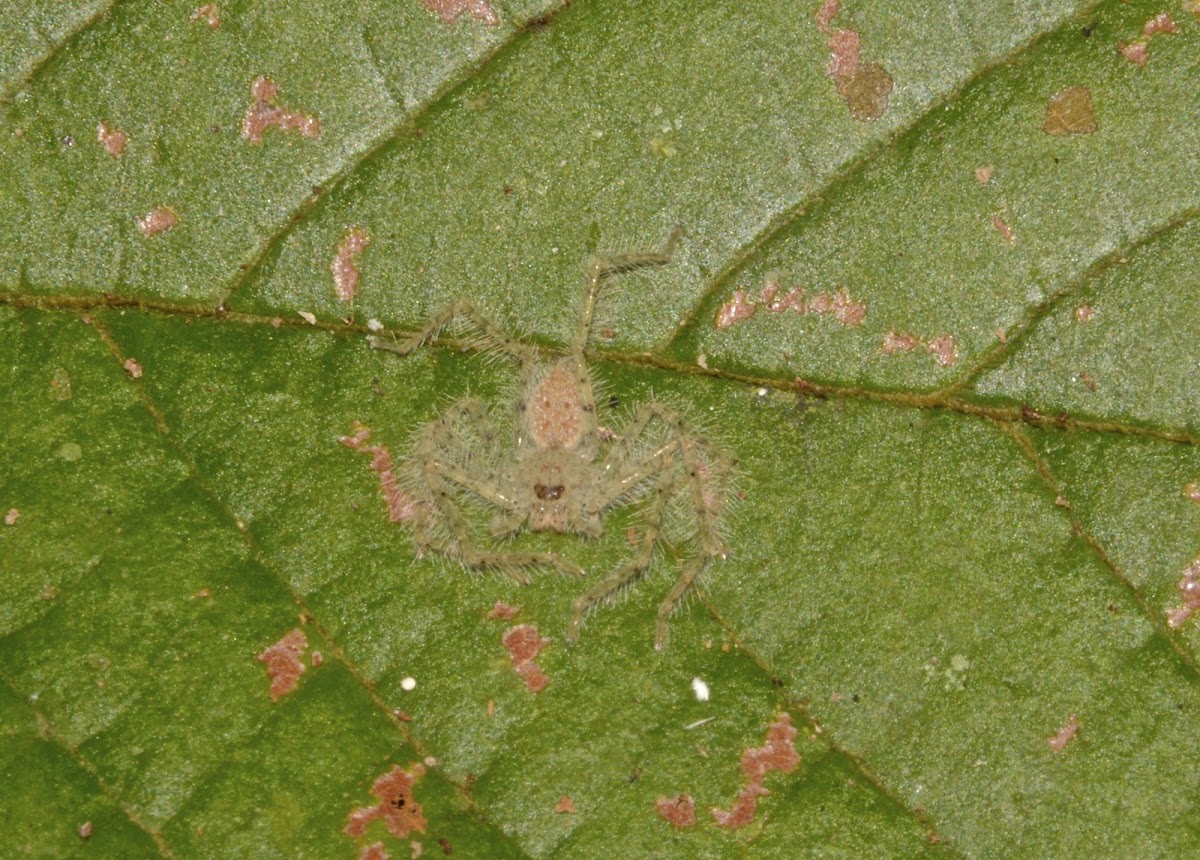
x,y
965,432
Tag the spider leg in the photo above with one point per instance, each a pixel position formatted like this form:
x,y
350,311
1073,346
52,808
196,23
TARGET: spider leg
x,y
626,575
437,474
704,470
487,335
600,270
702,477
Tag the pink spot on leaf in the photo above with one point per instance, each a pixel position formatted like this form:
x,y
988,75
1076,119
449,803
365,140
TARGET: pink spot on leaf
x,y
943,350
678,811
1084,313
344,268
397,807
565,805
374,851
984,174
264,114
1192,491
113,140
1059,740
776,754
735,310
524,643
1004,229
133,368
208,14
864,87
283,663
10,518
401,507
451,10
1136,51
502,611
1189,591
158,221
894,342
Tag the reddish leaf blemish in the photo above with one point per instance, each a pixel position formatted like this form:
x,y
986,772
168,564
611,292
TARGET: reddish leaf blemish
x,y
397,807
1069,111
158,221
776,754
735,310
840,305
984,174
565,806
113,140
1189,591
451,10
942,348
283,663
85,830
1059,740
344,268
678,811
1136,51
864,87
11,517
208,14
502,611
1004,229
1084,313
524,643
400,507
374,851
264,114
132,368
1192,491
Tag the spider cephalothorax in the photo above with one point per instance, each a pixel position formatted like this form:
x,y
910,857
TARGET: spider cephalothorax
x,y
564,471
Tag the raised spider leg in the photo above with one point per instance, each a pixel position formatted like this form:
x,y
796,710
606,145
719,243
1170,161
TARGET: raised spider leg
x,y
601,269
437,474
624,576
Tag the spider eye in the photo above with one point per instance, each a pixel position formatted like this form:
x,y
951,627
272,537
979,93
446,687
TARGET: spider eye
x,y
546,493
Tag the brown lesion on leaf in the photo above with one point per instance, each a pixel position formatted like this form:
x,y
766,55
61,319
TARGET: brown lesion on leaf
x,y
524,643
942,347
1192,491
264,113
1070,111
1189,593
502,611
864,87
565,805
840,305
344,265
158,220
777,754
10,518
1059,740
209,14
283,663
132,367
984,173
1004,229
451,10
374,851
112,139
1136,50
397,808
401,508
678,811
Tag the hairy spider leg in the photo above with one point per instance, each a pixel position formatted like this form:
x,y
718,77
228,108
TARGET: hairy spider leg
x,y
701,477
437,477
600,270
626,575
488,336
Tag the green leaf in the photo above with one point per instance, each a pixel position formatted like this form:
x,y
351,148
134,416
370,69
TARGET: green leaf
x,y
962,511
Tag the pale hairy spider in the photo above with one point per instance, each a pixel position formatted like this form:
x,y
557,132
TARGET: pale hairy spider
x,y
564,472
